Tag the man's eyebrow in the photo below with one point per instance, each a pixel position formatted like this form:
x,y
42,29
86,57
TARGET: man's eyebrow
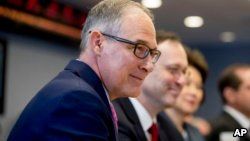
x,y
145,43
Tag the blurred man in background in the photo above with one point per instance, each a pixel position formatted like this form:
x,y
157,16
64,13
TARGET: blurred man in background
x,y
234,86
173,119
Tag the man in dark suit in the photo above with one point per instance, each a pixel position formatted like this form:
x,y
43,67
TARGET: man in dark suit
x,y
116,55
170,131
234,86
137,117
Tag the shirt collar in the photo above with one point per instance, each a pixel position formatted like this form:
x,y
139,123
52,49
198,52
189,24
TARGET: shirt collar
x,y
238,116
143,115
106,92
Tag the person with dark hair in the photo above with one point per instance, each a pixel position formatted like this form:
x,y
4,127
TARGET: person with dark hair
x,y
116,55
234,87
173,119
137,116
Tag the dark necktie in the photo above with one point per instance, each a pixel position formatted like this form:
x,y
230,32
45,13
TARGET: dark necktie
x,y
153,130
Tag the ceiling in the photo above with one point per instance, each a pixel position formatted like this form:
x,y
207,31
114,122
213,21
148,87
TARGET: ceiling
x,y
219,16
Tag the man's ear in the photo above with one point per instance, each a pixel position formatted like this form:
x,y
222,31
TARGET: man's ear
x,y
96,40
230,95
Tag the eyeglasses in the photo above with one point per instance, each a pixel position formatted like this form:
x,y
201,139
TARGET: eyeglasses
x,y
140,50
176,71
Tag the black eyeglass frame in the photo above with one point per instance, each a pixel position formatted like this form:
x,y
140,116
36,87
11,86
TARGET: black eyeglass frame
x,y
158,53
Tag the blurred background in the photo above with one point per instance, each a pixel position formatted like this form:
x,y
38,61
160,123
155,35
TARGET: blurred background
x,y
39,37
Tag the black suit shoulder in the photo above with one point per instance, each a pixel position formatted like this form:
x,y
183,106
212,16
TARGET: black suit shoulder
x,y
223,123
129,126
167,128
193,133
171,133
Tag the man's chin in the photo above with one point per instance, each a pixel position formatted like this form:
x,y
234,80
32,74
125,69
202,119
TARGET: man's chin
x,y
170,102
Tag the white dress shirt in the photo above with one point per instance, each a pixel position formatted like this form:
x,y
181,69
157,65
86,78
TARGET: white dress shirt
x,y
144,117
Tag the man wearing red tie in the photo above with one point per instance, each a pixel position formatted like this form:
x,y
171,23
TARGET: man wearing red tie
x,y
137,116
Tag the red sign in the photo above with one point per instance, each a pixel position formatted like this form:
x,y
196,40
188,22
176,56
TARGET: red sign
x,y
50,9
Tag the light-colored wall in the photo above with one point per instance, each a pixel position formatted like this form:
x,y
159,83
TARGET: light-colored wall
x,y
31,63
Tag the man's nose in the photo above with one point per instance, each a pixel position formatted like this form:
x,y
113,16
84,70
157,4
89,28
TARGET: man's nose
x,y
148,64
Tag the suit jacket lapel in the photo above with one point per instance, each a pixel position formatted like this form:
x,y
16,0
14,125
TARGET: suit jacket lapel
x,y
132,116
231,121
168,131
234,124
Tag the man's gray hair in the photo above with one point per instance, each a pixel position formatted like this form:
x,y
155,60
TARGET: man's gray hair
x,y
107,17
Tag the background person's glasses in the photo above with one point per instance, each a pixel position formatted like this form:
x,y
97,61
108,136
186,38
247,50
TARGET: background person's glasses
x,y
175,71
140,50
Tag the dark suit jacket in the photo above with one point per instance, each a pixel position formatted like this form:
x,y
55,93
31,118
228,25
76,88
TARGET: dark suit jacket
x,y
72,107
172,134
129,126
224,123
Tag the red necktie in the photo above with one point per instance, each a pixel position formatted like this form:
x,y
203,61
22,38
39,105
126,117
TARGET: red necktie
x,y
153,130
